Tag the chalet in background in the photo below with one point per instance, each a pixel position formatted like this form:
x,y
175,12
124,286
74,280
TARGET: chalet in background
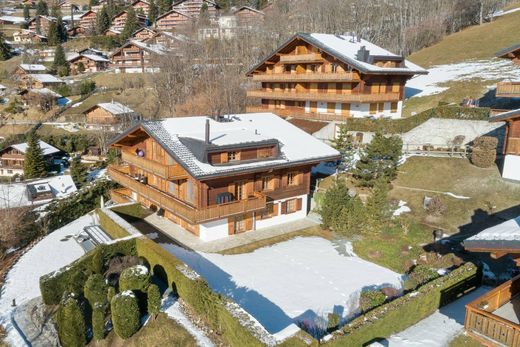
x,y
88,21
331,77
12,158
143,34
28,37
141,6
172,20
88,60
135,57
40,24
111,116
119,20
24,69
219,178
193,8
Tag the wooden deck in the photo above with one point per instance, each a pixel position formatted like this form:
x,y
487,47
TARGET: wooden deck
x,y
508,90
168,172
489,318
324,97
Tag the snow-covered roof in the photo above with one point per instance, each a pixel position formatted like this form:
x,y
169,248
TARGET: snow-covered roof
x,y
242,8
347,48
46,91
46,78
114,107
154,48
33,67
94,57
2,87
505,115
15,194
13,19
181,137
502,236
45,147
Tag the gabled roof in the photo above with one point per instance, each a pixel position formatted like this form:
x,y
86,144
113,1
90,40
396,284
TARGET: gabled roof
x,y
143,29
208,1
136,1
182,137
45,78
114,107
138,15
172,11
505,116
242,8
155,48
29,32
345,48
88,12
504,52
45,147
504,236
33,67
94,57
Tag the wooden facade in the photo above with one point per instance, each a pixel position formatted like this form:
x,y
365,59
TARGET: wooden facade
x,y
89,64
43,26
88,20
143,34
133,57
172,20
28,37
248,16
119,20
303,80
193,7
141,6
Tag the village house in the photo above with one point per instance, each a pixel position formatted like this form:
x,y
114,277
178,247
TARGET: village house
x,y
119,20
12,158
88,21
46,55
224,28
77,31
38,81
135,57
511,146
110,116
111,32
143,34
24,69
248,16
193,8
219,178
66,7
169,40
40,24
13,20
331,77
24,36
88,61
172,20
141,6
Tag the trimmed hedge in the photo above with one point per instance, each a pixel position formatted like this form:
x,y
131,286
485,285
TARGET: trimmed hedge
x,y
54,284
95,290
134,210
134,278
110,226
407,310
402,125
71,323
125,314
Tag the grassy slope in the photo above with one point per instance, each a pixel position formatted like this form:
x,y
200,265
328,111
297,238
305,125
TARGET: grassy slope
x,y
463,340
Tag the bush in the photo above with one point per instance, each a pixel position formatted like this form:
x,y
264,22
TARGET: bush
x,y
333,321
98,322
125,314
436,207
421,274
336,198
111,293
153,299
96,290
87,87
64,90
71,323
370,299
484,151
134,278
486,143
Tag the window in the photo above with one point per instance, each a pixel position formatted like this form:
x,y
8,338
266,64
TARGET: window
x,y
240,190
190,192
393,107
240,224
271,210
334,67
232,156
291,206
264,152
288,68
267,183
292,179
313,68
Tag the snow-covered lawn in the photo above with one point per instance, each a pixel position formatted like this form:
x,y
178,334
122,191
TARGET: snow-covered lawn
x,y
492,69
22,282
292,281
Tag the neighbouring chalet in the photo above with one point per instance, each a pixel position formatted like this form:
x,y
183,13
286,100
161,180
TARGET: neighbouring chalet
x,y
509,89
172,20
88,61
38,81
248,16
111,116
66,7
111,32
219,178
135,57
193,7
169,40
28,37
493,319
40,24
143,34
141,6
511,149
119,20
77,31
88,21
12,158
24,69
331,77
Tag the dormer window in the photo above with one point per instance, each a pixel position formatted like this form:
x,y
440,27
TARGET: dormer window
x,y
232,156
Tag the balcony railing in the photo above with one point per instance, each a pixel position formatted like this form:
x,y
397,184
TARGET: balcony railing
x,y
183,210
490,326
298,112
508,90
169,172
301,58
309,77
121,195
321,96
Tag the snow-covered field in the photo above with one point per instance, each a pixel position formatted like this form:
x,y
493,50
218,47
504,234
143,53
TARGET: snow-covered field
x,y
492,69
22,282
299,280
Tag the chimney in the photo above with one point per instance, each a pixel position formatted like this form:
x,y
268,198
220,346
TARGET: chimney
x,y
206,139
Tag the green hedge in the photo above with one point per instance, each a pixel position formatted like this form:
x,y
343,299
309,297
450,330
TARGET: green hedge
x,y
74,275
134,210
402,125
407,310
113,229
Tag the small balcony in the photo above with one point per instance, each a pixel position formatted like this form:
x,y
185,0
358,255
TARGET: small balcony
x,y
180,208
168,172
308,77
493,318
513,145
297,112
508,90
301,58
322,96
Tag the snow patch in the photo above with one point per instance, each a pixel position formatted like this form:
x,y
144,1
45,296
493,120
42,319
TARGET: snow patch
x,y
401,208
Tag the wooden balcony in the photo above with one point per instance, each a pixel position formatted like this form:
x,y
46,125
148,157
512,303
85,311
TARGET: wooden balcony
x,y
301,58
168,172
121,195
297,112
491,318
508,90
309,77
513,145
183,210
323,97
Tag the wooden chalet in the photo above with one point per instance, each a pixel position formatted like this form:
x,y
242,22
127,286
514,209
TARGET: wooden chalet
x,y
141,6
88,61
78,31
24,69
219,178
172,20
44,23
28,37
167,39
331,77
111,32
12,158
248,16
88,21
509,89
193,7
39,81
136,57
143,34
493,319
110,116
66,7
511,149
119,20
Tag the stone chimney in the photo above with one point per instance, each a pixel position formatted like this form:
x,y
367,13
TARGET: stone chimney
x,y
206,138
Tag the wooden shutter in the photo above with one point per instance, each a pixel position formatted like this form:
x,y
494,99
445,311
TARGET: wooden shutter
x,y
249,221
275,210
223,157
373,108
393,107
396,87
299,204
258,184
231,226
284,208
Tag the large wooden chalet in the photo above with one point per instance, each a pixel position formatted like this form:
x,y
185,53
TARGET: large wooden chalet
x,y
509,89
28,37
193,7
88,60
40,24
331,77
141,6
172,20
88,21
119,20
135,57
12,158
511,149
494,319
111,116
219,178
